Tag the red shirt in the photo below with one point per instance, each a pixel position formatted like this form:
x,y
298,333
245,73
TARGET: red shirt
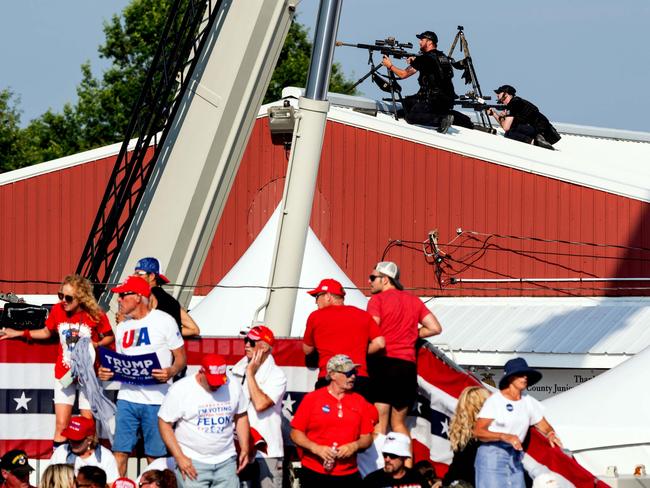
x,y
79,324
340,329
399,314
319,418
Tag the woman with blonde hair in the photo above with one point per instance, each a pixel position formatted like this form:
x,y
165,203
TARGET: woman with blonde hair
x,y
76,315
461,436
57,476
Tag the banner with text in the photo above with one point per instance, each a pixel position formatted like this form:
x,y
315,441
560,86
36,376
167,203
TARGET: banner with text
x,y
135,370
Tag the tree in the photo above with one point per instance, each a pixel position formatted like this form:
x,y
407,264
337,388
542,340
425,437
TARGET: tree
x,y
11,143
103,109
293,65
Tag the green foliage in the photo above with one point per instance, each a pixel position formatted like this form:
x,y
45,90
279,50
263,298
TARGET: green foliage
x,y
11,143
293,65
103,108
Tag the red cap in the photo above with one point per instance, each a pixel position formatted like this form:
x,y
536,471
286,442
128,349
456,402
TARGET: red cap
x,y
79,428
134,284
261,333
124,483
328,285
214,368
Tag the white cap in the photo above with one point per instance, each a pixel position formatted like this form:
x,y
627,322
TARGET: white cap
x,y
397,444
390,269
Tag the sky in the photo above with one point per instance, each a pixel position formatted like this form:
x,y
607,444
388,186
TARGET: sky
x,y
580,61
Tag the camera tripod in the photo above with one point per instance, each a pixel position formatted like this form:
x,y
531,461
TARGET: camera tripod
x,y
469,74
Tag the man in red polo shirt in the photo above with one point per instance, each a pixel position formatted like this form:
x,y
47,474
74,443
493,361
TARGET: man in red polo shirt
x,y
336,328
398,314
330,426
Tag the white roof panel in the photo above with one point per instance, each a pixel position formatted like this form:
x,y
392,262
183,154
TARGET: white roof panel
x,y
611,329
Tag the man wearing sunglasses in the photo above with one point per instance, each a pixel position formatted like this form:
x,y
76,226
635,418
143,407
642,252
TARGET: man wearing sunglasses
x,y
396,450
337,328
143,331
332,424
264,385
399,315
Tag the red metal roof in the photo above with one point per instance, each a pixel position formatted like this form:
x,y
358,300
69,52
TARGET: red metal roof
x,y
371,188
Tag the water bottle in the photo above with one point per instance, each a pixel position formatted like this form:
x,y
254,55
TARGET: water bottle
x,y
329,465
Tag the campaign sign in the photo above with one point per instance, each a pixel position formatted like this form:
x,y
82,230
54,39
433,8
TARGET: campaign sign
x,y
135,370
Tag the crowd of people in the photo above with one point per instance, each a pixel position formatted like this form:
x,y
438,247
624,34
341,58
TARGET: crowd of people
x,y
222,427
433,104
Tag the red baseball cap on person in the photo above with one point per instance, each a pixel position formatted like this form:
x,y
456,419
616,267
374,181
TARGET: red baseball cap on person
x,y
79,428
214,368
261,333
134,284
328,285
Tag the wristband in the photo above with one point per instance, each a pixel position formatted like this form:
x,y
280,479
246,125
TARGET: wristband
x,y
27,334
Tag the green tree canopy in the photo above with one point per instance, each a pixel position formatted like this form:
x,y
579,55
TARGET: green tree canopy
x,y
103,108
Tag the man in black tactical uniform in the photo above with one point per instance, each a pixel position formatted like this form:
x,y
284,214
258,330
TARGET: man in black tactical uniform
x,y
522,120
433,103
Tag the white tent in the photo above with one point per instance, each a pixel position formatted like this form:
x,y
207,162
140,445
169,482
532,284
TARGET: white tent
x,y
606,421
230,306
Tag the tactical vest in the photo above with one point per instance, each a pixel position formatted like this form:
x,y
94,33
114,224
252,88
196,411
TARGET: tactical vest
x,y
437,82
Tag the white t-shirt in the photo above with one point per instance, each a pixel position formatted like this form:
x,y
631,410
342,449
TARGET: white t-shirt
x,y
273,382
205,419
156,332
108,464
511,417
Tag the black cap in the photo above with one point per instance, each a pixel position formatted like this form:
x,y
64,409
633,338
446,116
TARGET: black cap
x,y
16,461
428,35
510,90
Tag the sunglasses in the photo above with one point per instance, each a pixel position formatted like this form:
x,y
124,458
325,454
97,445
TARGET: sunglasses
x,y
373,277
349,374
390,455
140,273
249,341
67,298
145,482
125,294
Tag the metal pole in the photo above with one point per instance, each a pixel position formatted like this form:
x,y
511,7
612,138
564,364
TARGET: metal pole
x,y
320,66
302,172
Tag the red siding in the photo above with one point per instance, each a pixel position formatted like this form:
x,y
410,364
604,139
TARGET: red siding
x,y
371,188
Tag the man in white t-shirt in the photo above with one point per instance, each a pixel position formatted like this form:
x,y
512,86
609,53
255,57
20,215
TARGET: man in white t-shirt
x,y
141,332
83,449
198,420
264,385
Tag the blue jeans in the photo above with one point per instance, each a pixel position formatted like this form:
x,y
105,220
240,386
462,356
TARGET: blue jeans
x,y
133,416
498,465
221,475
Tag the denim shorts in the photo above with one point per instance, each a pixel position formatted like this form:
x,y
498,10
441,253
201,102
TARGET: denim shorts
x,y
132,417
498,465
222,475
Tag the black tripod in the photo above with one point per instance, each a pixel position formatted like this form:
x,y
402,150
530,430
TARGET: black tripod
x,y
469,74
